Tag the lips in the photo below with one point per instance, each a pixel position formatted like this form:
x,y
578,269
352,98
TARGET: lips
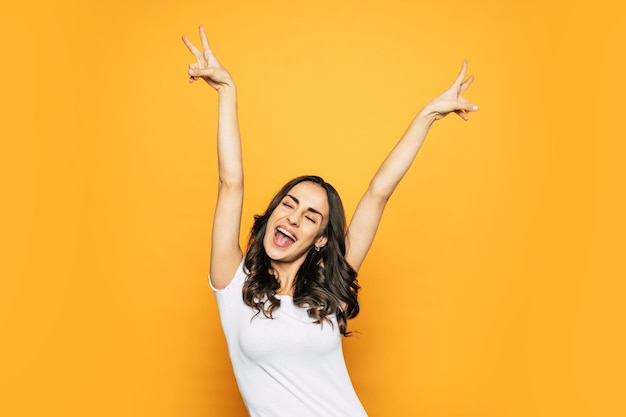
x,y
283,237
286,232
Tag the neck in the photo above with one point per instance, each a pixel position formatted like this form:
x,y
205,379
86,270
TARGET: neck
x,y
285,273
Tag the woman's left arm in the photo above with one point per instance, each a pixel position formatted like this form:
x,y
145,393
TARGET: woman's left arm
x,y
370,209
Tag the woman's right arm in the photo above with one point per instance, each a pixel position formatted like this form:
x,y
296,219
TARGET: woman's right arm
x,y
226,252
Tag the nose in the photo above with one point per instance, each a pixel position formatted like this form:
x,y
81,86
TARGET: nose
x,y
293,219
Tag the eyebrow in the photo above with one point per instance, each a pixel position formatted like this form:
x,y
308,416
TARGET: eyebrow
x,y
311,209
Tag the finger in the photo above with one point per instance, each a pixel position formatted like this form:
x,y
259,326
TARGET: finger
x,y
207,53
462,114
192,48
201,72
461,75
203,39
466,83
468,107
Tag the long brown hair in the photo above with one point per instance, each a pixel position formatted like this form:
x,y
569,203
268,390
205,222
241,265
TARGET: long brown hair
x,y
325,283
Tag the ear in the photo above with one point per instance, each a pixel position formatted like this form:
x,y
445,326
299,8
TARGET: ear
x,y
321,241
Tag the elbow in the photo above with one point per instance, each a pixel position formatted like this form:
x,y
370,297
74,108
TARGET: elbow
x,y
232,183
379,192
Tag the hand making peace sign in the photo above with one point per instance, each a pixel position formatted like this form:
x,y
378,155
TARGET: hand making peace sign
x,y
207,66
451,100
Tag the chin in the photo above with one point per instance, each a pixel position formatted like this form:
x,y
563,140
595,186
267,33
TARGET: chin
x,y
283,255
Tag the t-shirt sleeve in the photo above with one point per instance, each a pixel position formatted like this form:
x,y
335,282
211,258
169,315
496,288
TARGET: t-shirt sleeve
x,y
233,289
229,301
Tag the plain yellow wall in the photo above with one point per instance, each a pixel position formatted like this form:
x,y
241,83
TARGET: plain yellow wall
x,y
494,288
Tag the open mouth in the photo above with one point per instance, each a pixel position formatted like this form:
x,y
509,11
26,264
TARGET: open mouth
x,y
283,238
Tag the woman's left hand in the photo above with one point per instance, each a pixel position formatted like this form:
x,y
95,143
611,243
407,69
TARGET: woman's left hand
x,y
452,100
207,66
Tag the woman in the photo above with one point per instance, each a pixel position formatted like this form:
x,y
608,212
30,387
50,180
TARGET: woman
x,y
285,304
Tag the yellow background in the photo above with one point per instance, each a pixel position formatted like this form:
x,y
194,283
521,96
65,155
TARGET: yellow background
x,y
494,288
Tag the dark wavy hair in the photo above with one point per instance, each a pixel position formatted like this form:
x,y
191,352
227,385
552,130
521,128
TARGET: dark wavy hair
x,y
325,284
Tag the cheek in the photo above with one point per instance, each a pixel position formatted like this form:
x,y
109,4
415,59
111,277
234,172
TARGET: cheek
x,y
278,212
315,231
275,214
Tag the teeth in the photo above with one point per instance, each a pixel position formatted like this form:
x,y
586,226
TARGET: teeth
x,y
286,233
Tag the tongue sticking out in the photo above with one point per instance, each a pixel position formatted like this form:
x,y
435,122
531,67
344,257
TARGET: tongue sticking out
x,y
282,240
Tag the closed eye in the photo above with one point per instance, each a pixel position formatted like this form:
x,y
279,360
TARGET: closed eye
x,y
287,205
311,219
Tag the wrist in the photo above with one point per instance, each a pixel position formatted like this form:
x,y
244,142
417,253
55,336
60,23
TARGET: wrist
x,y
227,89
426,117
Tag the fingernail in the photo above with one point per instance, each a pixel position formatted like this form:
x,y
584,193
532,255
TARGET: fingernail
x,y
190,72
475,108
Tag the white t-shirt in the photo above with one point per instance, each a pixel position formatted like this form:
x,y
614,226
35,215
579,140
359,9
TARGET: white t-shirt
x,y
287,366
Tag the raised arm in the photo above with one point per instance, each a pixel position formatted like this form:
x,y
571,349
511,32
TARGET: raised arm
x,y
226,253
370,209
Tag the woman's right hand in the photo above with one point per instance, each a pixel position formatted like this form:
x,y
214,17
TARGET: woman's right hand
x,y
451,100
207,66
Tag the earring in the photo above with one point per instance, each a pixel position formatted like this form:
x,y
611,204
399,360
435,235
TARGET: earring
x,y
317,248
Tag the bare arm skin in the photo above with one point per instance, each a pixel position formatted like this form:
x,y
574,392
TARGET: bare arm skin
x,y
226,252
370,209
